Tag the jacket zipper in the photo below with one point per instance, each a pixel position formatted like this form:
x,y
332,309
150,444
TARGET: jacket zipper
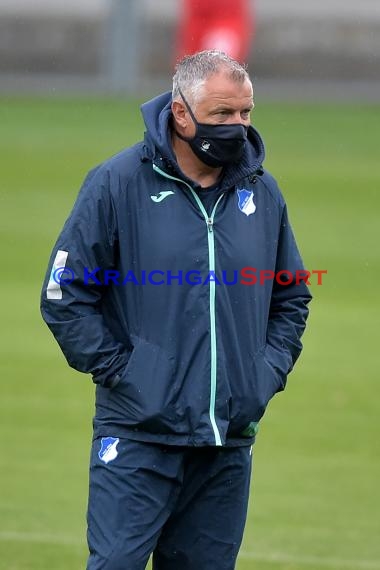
x,y
211,254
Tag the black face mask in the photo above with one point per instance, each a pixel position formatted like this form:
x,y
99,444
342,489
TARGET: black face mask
x,y
216,145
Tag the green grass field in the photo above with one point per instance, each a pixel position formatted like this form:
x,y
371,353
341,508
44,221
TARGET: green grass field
x,y
315,500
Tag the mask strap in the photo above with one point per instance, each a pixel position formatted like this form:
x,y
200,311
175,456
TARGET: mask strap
x,y
188,107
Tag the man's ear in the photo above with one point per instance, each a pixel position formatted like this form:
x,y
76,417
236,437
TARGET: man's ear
x,y
180,114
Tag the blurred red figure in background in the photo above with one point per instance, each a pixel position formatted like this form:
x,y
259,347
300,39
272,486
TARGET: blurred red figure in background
x,y
226,25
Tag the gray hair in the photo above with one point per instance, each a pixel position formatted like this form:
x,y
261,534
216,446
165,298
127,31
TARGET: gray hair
x,y
193,70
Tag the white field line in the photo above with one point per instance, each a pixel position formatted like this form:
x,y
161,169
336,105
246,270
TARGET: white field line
x,y
280,557
41,537
321,562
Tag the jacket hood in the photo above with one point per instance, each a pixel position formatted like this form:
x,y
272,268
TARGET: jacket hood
x,y
157,114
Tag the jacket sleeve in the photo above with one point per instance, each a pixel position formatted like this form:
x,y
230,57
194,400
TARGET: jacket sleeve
x,y
288,309
70,299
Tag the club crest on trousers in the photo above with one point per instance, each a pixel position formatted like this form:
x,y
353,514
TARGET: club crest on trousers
x,y
108,449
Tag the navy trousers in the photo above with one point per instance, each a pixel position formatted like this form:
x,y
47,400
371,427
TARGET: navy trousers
x,y
185,505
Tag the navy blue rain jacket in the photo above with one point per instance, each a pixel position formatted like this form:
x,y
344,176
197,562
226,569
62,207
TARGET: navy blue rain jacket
x,y
158,304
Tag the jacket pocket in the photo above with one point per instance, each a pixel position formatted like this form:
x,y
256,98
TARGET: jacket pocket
x,y
267,382
251,393
146,391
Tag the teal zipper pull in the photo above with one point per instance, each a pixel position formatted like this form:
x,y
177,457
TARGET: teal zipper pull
x,y
210,224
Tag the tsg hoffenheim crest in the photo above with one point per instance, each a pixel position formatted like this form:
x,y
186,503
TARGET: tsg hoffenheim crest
x,y
108,451
245,201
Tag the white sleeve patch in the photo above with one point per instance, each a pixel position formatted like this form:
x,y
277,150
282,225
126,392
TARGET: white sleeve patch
x,y
54,290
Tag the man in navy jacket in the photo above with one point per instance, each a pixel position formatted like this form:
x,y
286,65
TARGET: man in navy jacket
x,y
175,283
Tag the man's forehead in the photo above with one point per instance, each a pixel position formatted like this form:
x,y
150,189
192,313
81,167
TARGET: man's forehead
x,y
220,88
